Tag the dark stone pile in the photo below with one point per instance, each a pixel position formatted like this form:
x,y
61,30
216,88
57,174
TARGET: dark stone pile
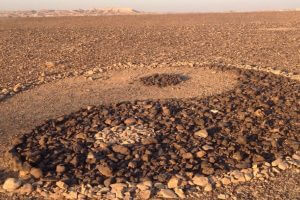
x,y
163,80
256,122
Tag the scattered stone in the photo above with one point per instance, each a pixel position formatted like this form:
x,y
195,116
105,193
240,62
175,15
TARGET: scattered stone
x,y
17,87
5,91
226,181
118,187
180,193
167,194
121,149
50,64
62,185
105,170
187,156
174,182
202,133
276,162
145,194
200,154
207,147
60,169
208,188
248,176
130,121
283,165
222,196
296,157
36,173
26,189
11,184
200,180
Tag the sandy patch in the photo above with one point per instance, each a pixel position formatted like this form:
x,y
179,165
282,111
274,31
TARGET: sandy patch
x,y
30,108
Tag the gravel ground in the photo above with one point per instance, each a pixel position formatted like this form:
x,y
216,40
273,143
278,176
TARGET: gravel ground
x,y
82,43
43,51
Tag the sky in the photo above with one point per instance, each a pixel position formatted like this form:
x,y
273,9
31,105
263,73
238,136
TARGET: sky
x,y
154,5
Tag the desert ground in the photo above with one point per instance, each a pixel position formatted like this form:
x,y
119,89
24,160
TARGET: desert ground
x,y
189,106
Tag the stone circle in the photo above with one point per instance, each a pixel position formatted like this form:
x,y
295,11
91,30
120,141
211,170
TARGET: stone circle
x,y
253,124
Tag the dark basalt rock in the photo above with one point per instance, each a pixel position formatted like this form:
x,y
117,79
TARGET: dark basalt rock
x,y
163,80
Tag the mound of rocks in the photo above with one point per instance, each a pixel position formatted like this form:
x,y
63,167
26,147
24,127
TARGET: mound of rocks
x,y
163,80
160,141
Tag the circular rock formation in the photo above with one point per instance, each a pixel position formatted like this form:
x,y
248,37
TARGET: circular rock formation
x,y
256,122
163,80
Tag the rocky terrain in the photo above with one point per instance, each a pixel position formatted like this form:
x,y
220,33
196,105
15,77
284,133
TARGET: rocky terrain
x,y
201,106
70,13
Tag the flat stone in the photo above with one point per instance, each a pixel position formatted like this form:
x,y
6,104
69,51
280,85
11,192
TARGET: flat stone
x,y
222,196
118,187
121,149
23,173
208,170
26,189
296,157
50,64
167,194
173,182
276,162
130,121
207,147
226,181
142,187
180,193
149,140
17,87
202,133
200,180
146,185
187,156
283,165
71,195
239,176
145,194
105,170
248,176
60,169
11,184
208,188
61,185
36,173
200,154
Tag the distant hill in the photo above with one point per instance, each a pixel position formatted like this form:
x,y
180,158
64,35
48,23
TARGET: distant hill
x,y
79,12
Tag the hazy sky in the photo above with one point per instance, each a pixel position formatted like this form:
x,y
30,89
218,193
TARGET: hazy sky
x,y
153,5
